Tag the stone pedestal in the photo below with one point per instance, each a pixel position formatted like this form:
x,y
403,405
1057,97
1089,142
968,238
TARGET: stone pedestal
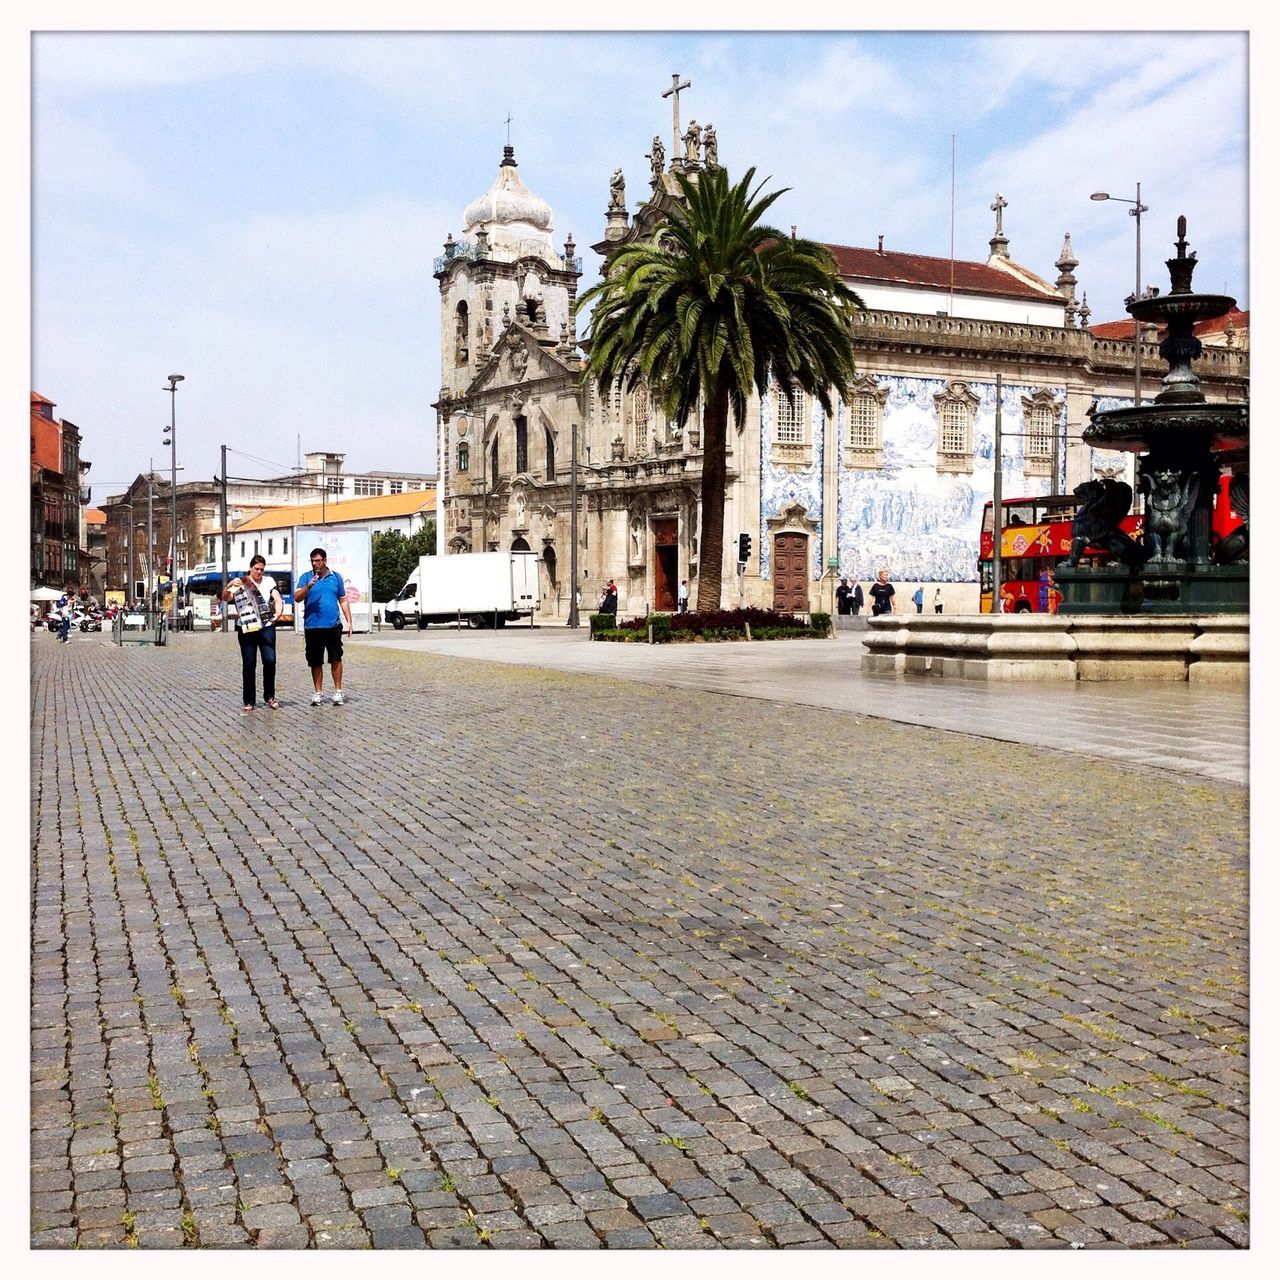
x,y
1005,647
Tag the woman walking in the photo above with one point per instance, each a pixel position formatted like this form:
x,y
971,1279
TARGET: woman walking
x,y
258,606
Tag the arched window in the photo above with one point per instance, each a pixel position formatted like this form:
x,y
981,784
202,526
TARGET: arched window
x,y
551,455
522,444
640,420
464,458
493,465
462,340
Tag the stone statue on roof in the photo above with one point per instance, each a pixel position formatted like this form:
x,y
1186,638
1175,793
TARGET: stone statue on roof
x,y
692,136
617,192
710,147
657,158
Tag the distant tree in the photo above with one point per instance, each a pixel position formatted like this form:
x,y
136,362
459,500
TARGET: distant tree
x,y
395,557
716,304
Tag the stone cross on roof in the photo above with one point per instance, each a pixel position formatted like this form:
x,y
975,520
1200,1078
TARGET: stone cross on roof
x,y
674,94
999,242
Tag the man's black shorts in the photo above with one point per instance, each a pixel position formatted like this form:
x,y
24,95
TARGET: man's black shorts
x,y
318,639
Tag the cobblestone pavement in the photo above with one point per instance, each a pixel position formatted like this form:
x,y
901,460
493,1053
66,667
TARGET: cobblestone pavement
x,y
1156,724
512,958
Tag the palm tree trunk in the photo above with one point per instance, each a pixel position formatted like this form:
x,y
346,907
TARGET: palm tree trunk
x,y
715,420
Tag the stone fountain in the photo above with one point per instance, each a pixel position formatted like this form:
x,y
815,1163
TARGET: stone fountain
x,y
1184,444
1173,606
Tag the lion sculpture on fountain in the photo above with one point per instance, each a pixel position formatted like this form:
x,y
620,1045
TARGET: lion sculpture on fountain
x,y
1102,504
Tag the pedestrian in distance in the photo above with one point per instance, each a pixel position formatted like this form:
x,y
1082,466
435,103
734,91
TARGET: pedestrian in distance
x,y
325,607
682,596
918,598
842,598
882,594
259,606
856,598
609,598
937,601
66,605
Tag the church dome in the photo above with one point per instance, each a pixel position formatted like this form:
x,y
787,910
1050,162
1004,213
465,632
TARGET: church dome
x,y
508,209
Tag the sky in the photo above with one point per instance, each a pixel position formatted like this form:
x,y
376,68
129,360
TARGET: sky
x,y
260,211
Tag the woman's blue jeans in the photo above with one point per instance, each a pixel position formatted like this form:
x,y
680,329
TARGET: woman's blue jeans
x,y
251,644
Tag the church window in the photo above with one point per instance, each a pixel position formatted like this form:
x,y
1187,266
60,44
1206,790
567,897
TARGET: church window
x,y
790,417
792,437
462,335
640,420
1040,413
864,424
956,406
493,465
464,457
551,454
522,444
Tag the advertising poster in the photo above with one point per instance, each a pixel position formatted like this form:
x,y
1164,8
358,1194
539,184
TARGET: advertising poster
x,y
350,553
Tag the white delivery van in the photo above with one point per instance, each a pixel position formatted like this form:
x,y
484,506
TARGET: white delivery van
x,y
484,589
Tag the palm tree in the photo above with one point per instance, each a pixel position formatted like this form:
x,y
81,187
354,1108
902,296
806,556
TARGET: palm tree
x,y
714,304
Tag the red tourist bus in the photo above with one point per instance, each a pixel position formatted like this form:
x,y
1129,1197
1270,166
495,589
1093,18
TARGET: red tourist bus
x,y
1036,537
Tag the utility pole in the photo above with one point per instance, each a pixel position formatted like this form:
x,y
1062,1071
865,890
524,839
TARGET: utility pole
x,y
997,513
151,555
172,389
573,526
224,538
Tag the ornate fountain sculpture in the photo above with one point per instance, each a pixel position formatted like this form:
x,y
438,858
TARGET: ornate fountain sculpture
x,y
1183,443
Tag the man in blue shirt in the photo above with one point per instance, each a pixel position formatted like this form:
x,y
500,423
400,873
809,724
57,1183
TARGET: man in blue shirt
x,y
326,605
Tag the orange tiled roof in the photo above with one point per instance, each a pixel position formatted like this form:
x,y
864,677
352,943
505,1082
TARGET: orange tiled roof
x,y
1124,328
921,271
93,516
347,511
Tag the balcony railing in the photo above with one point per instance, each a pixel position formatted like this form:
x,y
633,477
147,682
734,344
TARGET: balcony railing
x,y
466,251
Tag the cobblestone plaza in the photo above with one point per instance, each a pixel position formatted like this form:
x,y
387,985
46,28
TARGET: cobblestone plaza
x,y
501,956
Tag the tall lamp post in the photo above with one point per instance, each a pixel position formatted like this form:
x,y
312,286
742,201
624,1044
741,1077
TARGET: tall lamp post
x,y
171,439
1135,212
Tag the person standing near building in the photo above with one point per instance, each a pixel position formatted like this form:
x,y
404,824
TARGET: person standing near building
x,y
258,608
682,596
937,601
918,598
325,596
66,605
842,598
856,598
882,594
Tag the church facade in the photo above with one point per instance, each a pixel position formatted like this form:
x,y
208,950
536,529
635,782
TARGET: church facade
x,y
896,477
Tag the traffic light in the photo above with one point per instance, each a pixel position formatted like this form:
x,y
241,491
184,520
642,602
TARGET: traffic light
x,y
744,548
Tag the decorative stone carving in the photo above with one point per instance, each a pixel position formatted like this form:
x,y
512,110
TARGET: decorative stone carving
x,y
1171,497
519,362
617,192
793,518
637,541
617,447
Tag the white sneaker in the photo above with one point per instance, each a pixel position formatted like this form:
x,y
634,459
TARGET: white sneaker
x,y
317,699
338,699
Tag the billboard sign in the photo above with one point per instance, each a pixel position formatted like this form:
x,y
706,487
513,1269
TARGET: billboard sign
x,y
349,552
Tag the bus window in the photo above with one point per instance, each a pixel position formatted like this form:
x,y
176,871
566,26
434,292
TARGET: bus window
x,y
1022,513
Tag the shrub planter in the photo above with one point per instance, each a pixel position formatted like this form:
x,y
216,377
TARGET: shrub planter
x,y
725,624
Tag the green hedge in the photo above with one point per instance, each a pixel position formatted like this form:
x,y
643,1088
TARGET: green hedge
x,y
724,625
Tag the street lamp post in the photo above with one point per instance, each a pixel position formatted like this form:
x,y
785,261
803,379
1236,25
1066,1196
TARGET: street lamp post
x,y
1135,212
172,433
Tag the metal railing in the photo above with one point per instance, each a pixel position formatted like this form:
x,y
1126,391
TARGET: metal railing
x,y
140,626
